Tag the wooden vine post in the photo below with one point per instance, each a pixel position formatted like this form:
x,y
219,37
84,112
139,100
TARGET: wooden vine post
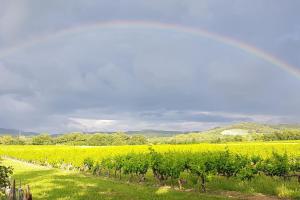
x,y
19,194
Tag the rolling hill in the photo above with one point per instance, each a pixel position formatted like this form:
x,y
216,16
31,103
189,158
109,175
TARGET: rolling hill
x,y
6,131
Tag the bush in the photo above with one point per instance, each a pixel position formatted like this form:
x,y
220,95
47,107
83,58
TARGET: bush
x,y
5,173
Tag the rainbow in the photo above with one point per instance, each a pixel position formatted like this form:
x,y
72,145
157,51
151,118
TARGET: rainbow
x,y
293,70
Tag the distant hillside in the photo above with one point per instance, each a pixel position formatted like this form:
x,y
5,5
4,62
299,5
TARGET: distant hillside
x,y
154,133
284,126
146,133
243,128
231,133
242,131
5,131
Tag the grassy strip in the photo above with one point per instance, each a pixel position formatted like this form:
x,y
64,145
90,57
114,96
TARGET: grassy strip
x,y
57,184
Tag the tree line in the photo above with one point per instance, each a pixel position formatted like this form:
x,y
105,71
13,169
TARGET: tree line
x,y
97,139
194,138
120,138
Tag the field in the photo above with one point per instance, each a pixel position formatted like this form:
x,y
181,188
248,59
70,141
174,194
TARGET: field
x,y
86,159
75,155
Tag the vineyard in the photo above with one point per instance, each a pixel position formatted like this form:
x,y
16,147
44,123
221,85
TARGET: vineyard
x,y
75,155
180,166
200,165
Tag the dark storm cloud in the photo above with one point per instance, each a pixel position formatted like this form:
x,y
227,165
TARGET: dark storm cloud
x,y
134,78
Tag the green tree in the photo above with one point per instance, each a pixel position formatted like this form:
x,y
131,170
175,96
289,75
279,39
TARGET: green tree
x,y
137,139
42,139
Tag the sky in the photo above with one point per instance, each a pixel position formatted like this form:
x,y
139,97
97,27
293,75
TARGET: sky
x,y
62,71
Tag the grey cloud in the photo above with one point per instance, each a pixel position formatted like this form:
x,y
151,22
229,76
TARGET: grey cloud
x,y
143,78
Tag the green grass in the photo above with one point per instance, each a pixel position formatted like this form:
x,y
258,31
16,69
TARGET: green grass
x,y
261,184
52,184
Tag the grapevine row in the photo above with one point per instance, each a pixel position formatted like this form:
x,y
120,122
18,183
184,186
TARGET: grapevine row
x,y
171,166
